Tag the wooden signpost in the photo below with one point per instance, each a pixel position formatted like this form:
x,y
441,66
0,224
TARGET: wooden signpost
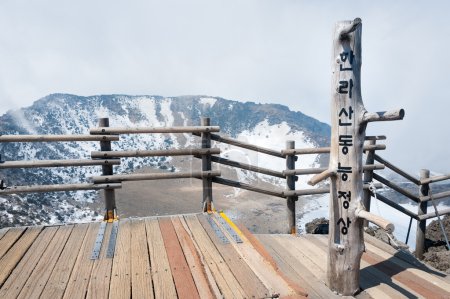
x,y
349,119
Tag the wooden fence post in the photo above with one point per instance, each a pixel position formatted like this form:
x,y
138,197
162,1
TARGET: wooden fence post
x,y
349,119
290,180
422,209
206,166
367,178
109,194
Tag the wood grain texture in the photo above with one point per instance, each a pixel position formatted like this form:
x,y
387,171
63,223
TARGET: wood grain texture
x,y
204,280
261,249
263,269
10,260
227,283
101,271
296,270
184,282
120,287
3,231
25,267
56,284
163,284
141,273
247,279
41,273
81,273
9,238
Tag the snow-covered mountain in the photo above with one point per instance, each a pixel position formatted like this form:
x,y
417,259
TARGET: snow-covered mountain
x,y
267,125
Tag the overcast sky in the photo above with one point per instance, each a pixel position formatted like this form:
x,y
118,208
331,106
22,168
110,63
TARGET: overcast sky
x,y
249,50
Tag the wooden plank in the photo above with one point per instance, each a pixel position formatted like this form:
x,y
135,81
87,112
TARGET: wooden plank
x,y
411,281
205,287
295,270
9,239
197,259
3,231
56,138
228,285
373,281
153,176
268,276
101,271
155,153
248,280
154,130
81,273
56,284
162,275
259,247
15,282
57,163
9,261
41,273
58,188
120,286
434,279
184,282
141,275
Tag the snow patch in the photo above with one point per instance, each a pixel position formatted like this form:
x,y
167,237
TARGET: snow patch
x,y
208,101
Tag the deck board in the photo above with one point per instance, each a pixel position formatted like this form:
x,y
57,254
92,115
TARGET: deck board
x,y
3,231
10,260
101,271
9,238
247,279
163,284
181,257
120,286
15,282
56,284
141,273
81,273
182,276
41,273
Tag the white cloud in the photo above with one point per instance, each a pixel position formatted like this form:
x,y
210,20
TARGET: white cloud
x,y
258,50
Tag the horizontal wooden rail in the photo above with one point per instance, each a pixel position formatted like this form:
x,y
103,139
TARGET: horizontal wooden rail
x,y
442,212
153,176
434,179
154,153
324,190
235,184
246,145
436,196
396,206
57,188
306,151
306,171
396,187
56,163
302,192
396,169
379,137
57,138
378,220
325,150
249,167
150,130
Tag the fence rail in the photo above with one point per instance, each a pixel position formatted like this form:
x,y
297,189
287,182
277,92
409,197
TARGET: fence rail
x,y
109,181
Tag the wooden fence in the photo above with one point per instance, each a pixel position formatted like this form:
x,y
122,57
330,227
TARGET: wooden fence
x,y
109,181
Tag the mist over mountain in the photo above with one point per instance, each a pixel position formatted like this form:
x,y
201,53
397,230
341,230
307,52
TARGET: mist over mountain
x,y
262,124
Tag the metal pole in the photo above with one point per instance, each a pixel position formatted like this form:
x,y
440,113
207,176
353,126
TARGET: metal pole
x,y
290,181
422,224
109,194
206,166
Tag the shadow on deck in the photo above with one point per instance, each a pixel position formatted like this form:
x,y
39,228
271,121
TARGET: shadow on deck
x,y
191,256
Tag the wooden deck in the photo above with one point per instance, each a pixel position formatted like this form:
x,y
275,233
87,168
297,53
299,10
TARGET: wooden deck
x,y
192,256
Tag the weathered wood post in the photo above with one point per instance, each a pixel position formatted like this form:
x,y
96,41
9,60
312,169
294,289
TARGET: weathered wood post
x,y
349,119
206,166
422,209
290,181
368,177
109,194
